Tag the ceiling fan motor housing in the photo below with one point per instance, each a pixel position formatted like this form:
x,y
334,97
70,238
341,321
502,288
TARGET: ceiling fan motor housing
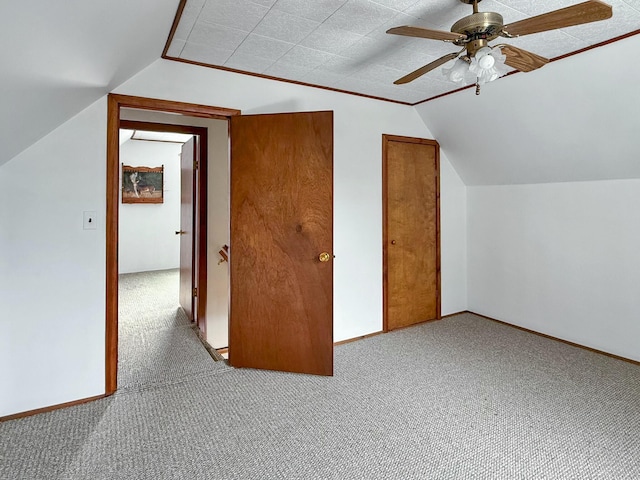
x,y
479,29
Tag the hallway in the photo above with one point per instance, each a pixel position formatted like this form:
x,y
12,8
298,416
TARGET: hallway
x,y
157,343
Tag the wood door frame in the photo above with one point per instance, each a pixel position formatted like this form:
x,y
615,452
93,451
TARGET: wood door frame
x,y
115,103
385,233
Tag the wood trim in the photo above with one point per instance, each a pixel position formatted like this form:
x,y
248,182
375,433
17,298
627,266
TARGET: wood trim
x,y
183,108
277,79
51,408
551,337
113,187
355,339
174,27
451,315
597,45
454,314
130,168
414,324
447,93
115,103
438,230
178,17
200,219
161,127
385,236
180,10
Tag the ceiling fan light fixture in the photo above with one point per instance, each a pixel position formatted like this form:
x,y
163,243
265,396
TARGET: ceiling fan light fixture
x,y
485,59
488,64
458,73
474,32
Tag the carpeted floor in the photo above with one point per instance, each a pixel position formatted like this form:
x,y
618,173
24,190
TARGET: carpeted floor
x,y
156,342
462,398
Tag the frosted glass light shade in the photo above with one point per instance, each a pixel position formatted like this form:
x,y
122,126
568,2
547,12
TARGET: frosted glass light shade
x,y
458,73
488,64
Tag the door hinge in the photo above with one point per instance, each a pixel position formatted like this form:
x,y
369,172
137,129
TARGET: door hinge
x,y
195,292
195,165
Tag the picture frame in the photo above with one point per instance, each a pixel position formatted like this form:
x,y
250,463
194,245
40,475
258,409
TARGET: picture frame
x,y
142,184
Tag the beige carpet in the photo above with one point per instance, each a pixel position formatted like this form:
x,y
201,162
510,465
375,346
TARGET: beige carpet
x,y
463,398
157,344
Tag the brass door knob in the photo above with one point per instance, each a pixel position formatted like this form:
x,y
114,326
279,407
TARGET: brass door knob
x,y
324,257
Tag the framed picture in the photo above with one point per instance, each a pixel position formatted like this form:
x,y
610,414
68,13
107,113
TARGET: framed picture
x,y
142,184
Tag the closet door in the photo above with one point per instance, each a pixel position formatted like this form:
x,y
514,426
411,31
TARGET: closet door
x,y
411,231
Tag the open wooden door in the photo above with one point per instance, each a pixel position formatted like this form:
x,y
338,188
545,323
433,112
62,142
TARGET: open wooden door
x,y
188,158
281,250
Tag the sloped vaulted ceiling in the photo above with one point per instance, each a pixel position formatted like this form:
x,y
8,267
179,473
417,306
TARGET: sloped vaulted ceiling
x,y
60,56
343,44
573,120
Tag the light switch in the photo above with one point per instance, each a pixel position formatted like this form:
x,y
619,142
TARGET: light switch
x,y
89,221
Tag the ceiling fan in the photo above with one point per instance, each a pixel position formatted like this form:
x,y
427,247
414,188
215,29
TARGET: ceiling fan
x,y
477,61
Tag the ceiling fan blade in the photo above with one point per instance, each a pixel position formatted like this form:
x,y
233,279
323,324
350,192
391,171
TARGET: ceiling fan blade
x,y
522,60
586,12
426,33
427,68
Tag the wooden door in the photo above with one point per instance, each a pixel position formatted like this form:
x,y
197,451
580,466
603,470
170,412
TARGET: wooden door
x,y
411,231
281,309
187,188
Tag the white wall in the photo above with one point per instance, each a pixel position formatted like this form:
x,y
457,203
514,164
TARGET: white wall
x,y
558,258
53,285
561,259
52,272
146,232
358,126
453,239
217,312
572,120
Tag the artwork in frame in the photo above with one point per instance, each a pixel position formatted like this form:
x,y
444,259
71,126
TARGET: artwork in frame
x,y
142,184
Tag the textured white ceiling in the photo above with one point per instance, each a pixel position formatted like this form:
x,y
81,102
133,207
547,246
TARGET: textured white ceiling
x,y
342,44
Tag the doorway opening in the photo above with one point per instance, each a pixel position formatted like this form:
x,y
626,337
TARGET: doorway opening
x,y
279,223
156,260
121,107
184,149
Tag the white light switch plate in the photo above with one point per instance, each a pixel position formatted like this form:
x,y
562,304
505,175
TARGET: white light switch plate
x,y
89,221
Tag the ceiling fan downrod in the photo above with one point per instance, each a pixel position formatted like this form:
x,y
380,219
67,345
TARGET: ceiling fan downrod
x,y
474,3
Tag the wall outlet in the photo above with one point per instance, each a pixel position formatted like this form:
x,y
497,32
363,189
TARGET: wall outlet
x,y
89,221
